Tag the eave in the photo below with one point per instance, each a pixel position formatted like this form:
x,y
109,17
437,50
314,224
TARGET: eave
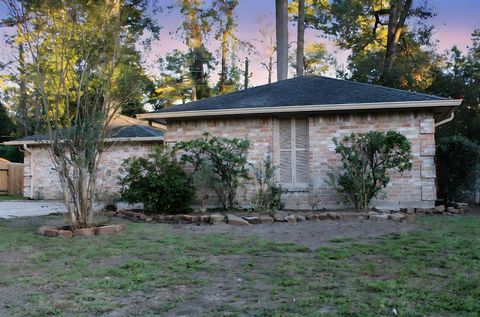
x,y
385,106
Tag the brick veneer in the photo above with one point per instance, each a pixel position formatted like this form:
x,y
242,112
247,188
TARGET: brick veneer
x,y
410,189
46,184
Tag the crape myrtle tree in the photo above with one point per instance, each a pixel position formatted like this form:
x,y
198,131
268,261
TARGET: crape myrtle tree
x,y
366,159
73,48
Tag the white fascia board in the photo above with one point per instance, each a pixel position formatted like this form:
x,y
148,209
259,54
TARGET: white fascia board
x,y
309,108
111,140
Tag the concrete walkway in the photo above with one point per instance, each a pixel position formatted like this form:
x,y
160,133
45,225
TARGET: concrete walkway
x,y
27,208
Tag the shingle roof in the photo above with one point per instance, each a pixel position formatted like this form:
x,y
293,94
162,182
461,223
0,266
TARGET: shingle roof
x,y
305,90
121,127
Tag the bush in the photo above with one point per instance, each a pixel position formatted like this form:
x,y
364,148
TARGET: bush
x,y
225,160
268,194
158,181
366,160
458,159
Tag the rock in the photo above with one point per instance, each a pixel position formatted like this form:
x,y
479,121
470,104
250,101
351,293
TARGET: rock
x,y
266,219
41,230
106,229
110,213
85,232
397,217
235,220
410,217
322,216
120,227
196,219
291,219
377,216
333,216
65,233
453,210
205,219
407,210
312,217
279,217
187,218
439,208
139,216
216,218
253,220
51,232
427,211
300,218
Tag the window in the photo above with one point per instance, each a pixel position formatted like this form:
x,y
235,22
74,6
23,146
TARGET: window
x,y
293,139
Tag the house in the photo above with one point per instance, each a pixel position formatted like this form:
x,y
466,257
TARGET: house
x,y
126,137
295,120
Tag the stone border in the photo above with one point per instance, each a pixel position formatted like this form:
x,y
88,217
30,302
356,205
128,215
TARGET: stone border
x,y
404,214
84,232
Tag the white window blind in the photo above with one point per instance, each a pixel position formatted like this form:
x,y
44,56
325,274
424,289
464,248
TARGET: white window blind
x,y
293,141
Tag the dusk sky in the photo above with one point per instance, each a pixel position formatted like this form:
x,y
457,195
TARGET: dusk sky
x,y
454,23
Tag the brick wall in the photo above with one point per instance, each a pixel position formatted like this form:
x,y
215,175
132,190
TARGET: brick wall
x,y
39,170
410,189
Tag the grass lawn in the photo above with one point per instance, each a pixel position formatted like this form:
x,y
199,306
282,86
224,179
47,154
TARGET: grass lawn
x,y
148,270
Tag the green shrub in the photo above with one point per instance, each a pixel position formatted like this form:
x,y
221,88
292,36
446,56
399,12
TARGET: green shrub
x,y
224,158
458,159
158,181
267,194
366,160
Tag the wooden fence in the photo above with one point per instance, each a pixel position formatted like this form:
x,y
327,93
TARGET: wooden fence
x,y
11,178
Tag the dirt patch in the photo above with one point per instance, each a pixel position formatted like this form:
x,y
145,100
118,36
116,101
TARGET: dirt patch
x,y
309,233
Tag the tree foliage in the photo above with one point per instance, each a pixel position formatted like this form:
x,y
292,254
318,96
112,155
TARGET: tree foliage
x,y
158,181
366,159
225,158
458,161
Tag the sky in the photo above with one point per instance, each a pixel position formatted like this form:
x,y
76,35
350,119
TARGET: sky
x,y
454,23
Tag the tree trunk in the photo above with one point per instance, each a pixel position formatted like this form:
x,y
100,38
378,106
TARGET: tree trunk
x,y
396,23
300,37
270,68
22,102
246,73
281,13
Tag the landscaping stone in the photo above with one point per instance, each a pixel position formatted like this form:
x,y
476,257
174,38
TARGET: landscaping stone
x,y
196,219
301,218
51,232
186,218
65,233
41,230
322,216
377,216
105,230
397,217
439,208
410,217
205,219
407,210
291,219
85,232
216,218
253,220
312,217
264,219
235,220
279,217
333,216
453,210
120,227
139,216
